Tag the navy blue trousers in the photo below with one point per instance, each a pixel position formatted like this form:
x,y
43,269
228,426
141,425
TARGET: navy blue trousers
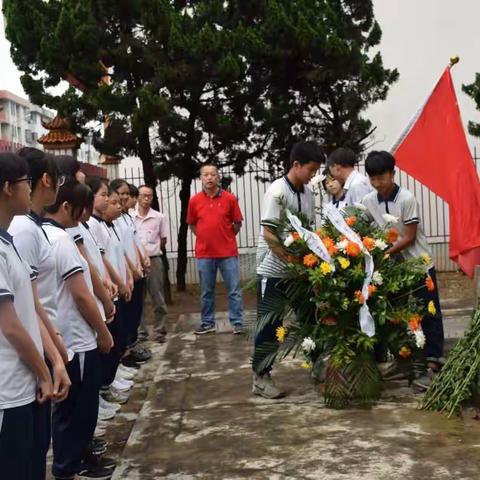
x,y
74,420
17,444
134,311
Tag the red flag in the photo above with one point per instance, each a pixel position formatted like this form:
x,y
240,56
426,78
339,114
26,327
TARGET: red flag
x,y
434,150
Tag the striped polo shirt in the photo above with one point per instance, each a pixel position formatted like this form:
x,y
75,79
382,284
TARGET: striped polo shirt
x,y
281,191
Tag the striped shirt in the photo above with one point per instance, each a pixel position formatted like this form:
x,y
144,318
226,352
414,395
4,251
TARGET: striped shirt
x,y
281,191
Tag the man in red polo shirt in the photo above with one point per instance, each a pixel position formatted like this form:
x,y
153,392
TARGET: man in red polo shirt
x,y
215,218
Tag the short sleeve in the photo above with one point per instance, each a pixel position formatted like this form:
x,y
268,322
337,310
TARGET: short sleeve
x,y
6,289
357,192
76,234
237,216
67,258
271,208
28,246
410,211
367,214
192,217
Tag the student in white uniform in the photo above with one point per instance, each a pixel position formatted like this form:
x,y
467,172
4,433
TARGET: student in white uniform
x,y
334,189
341,164
83,329
25,380
33,246
125,225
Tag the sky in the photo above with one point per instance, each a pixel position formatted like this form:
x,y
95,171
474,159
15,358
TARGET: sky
x,y
419,37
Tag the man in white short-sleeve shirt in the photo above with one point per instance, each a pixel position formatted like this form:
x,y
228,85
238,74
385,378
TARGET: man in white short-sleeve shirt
x,y
341,164
290,191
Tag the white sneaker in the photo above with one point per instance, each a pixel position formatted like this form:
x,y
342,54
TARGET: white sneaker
x,y
265,387
128,369
121,386
99,432
105,414
124,381
122,374
109,406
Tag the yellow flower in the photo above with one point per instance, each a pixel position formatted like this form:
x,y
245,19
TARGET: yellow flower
x,y
306,365
405,352
426,259
325,268
431,308
344,262
281,332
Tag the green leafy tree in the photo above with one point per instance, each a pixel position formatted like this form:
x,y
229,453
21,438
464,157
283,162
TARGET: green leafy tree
x,y
473,91
204,80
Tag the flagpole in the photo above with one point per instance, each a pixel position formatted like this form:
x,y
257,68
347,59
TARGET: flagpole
x,y
454,61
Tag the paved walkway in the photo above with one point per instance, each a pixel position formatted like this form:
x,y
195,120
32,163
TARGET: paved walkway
x,y
199,421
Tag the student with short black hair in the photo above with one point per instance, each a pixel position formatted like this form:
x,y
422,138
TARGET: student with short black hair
x,y
25,380
389,198
341,163
290,191
85,335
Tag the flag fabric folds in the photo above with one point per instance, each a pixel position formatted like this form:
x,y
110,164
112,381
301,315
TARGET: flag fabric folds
x,y
433,149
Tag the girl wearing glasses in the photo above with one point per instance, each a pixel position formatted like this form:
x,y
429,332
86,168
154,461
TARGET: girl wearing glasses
x,y
25,381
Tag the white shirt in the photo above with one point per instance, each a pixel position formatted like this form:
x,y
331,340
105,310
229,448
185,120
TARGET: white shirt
x,y
281,190
125,228
403,205
356,187
115,252
18,383
151,229
83,235
100,231
33,246
77,334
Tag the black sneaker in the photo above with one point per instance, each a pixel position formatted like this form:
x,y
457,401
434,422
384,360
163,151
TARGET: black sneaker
x,y
129,361
202,330
98,473
97,446
140,355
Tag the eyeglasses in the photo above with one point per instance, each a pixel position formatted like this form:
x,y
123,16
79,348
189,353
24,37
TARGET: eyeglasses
x,y
26,179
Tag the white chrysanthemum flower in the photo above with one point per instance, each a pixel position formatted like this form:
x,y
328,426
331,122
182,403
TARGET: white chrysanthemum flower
x,y
360,206
390,218
288,241
379,243
377,278
308,345
342,246
317,179
419,338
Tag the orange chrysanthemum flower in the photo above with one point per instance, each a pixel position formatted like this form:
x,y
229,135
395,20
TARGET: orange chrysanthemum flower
x,y
415,322
351,221
329,320
359,297
372,289
405,352
392,235
352,250
430,284
310,260
296,236
321,233
369,243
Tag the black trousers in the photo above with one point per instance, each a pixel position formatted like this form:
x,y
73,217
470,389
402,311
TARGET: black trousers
x,y
270,291
134,312
118,329
74,420
17,444
432,325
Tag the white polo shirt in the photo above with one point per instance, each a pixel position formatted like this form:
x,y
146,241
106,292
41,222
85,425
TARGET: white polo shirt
x,y
403,205
99,230
356,187
77,334
281,190
115,252
18,383
34,247
123,226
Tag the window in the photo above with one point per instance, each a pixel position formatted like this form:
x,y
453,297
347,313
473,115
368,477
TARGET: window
x,y
13,109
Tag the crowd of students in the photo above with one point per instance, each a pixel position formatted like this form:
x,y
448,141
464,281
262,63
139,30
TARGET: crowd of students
x,y
72,274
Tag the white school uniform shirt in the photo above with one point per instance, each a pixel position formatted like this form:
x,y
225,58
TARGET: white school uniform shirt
x,y
18,384
281,190
80,234
403,205
126,233
77,334
33,245
115,251
99,230
356,187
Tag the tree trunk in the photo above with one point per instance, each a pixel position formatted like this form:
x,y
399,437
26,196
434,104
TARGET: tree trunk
x,y
145,154
182,234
